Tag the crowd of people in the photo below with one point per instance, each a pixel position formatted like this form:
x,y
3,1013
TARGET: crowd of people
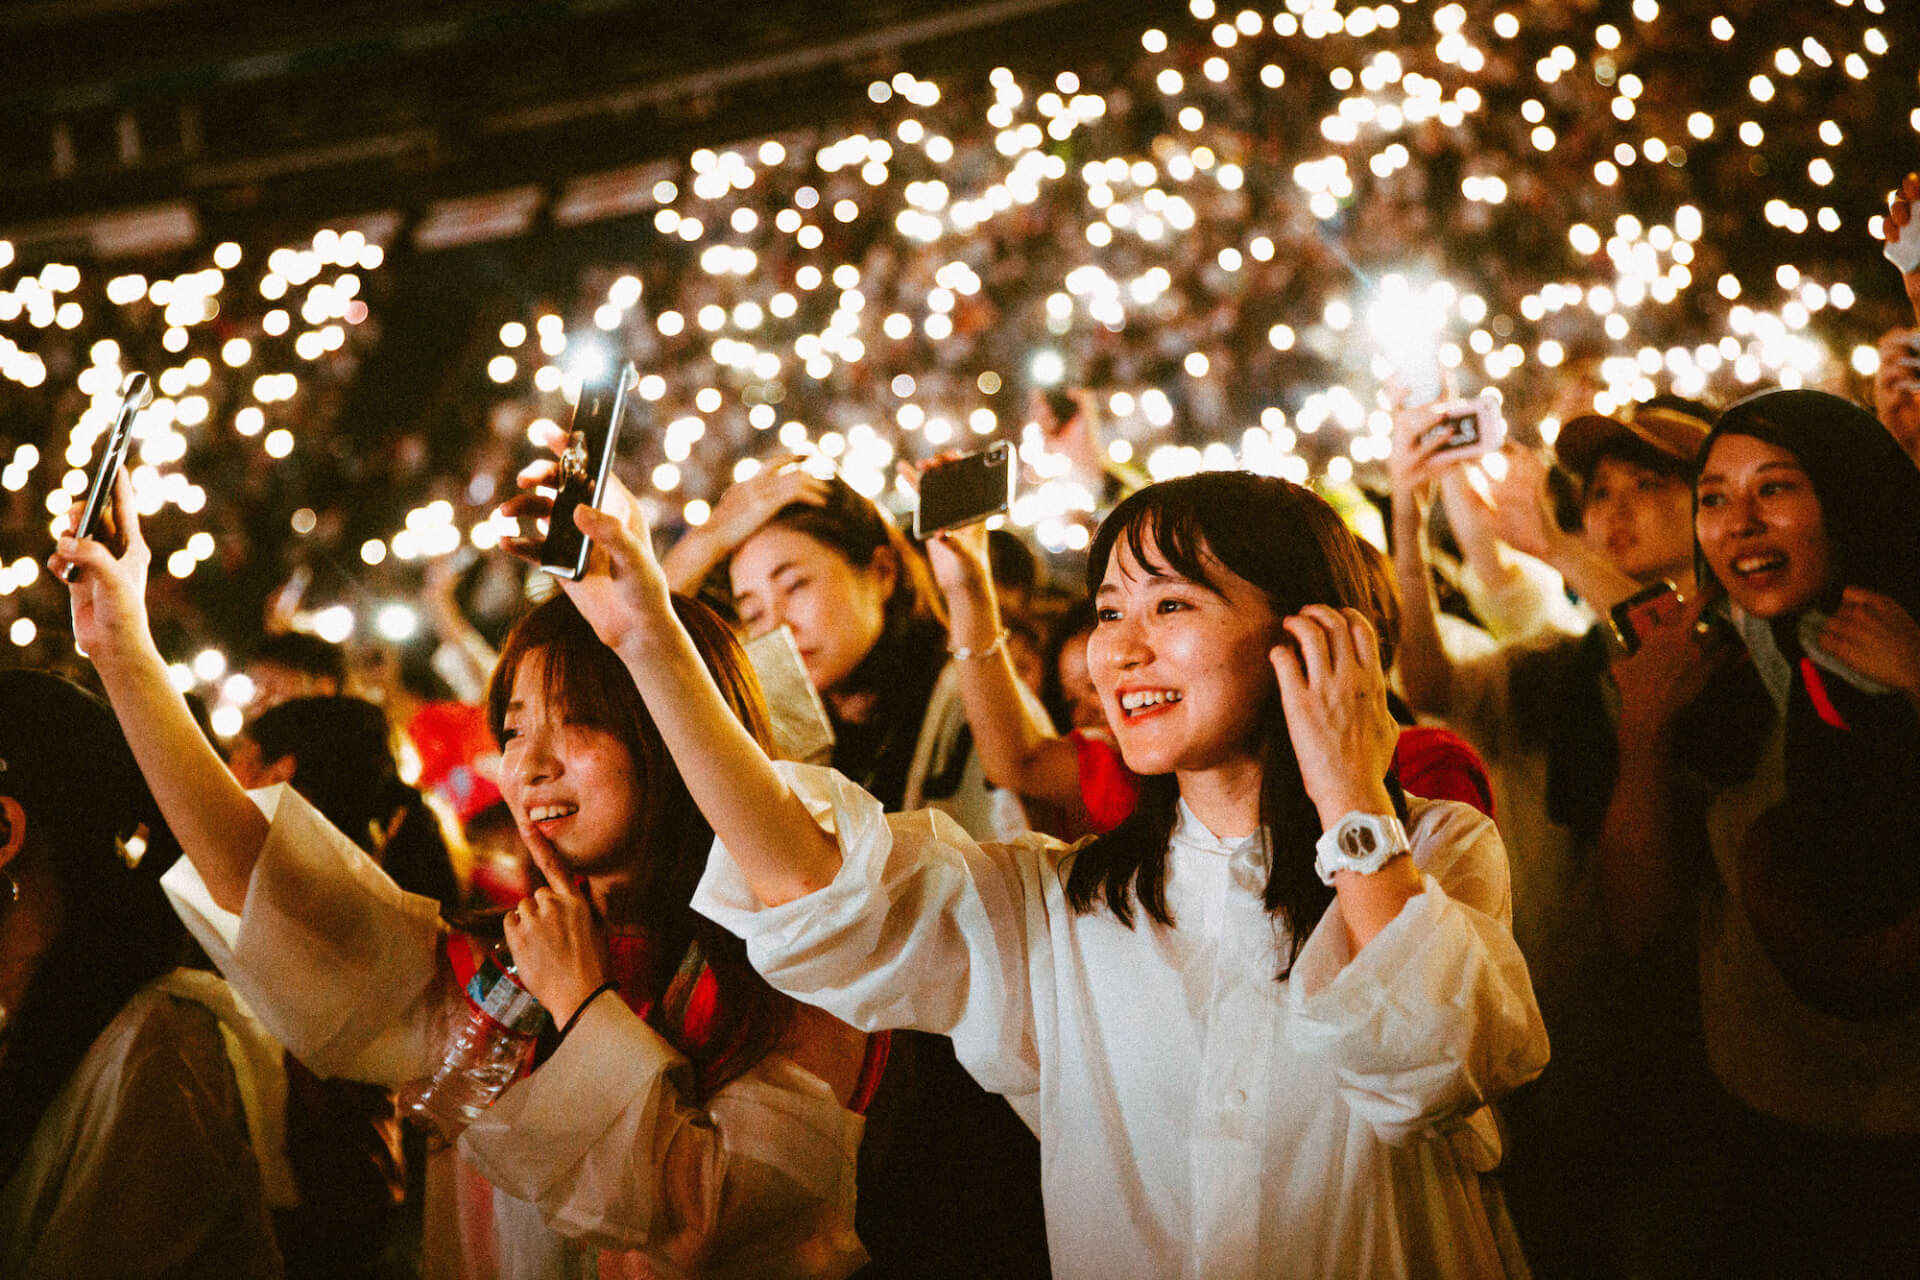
x,y
1538,895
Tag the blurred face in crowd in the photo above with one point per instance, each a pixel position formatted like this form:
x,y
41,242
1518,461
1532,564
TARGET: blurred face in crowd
x,y
1181,667
1076,685
1640,519
1761,527
837,609
573,782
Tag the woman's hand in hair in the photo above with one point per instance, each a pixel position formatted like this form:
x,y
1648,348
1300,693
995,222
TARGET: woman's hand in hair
x,y
742,509
109,585
558,940
1876,637
1335,698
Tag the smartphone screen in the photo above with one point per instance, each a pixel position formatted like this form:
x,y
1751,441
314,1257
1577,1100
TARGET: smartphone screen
x,y
585,464
964,491
136,393
1650,607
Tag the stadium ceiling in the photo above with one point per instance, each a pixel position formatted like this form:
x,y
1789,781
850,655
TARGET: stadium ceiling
x,y
160,118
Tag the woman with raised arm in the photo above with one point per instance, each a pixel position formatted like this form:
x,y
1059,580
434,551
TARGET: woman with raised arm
x,y
1257,1026
949,1176
1770,797
686,1119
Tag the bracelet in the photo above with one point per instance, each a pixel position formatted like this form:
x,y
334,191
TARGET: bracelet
x,y
581,1008
998,643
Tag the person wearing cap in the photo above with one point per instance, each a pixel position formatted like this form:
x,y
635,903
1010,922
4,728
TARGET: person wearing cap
x,y
1541,712
139,1133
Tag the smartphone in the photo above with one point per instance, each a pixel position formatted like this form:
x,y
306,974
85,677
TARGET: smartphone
x,y
1904,251
964,491
1471,428
585,464
136,393
1654,606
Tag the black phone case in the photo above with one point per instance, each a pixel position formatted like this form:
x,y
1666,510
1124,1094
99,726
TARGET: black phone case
x,y
584,467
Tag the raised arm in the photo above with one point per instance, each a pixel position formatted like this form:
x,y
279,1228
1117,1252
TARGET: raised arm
x,y
1018,749
217,825
1416,464
1902,209
742,509
626,598
1520,513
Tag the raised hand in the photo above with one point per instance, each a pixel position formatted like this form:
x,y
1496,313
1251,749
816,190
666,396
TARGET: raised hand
x,y
624,590
1335,698
558,938
750,503
1902,209
1876,637
1419,457
108,582
1521,508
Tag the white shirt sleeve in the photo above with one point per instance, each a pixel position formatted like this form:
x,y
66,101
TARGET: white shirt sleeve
x,y
600,1138
1436,1016
343,966
922,928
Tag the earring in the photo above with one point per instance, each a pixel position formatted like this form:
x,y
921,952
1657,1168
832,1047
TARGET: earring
x,y
13,887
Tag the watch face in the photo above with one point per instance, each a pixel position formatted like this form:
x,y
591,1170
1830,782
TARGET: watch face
x,y
1358,841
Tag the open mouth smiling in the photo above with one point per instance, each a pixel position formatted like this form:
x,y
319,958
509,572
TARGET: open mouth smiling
x,y
1142,702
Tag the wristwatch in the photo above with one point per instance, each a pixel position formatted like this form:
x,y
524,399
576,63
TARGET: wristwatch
x,y
1363,842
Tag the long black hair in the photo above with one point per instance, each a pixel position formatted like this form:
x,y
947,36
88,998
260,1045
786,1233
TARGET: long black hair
x,y
586,681
1287,542
82,793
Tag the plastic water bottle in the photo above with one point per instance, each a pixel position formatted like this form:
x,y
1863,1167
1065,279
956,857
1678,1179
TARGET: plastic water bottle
x,y
492,1028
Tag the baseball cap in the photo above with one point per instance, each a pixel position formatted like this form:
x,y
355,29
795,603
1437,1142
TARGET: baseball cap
x,y
1666,430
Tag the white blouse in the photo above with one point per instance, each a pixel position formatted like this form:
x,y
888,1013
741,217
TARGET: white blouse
x,y
350,973
1197,1117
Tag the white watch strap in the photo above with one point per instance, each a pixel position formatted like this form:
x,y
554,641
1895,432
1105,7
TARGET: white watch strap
x,y
1362,842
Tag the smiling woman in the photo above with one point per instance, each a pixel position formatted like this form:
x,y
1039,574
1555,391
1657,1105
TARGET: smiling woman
x,y
1289,1063
685,1119
1797,769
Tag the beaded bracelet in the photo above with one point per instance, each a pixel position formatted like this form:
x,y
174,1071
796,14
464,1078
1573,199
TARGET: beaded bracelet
x,y
998,643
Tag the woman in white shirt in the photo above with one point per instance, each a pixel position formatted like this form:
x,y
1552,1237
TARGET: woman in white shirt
x,y
687,1121
1246,1048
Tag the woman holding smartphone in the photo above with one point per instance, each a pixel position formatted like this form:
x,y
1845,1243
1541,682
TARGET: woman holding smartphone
x,y
1258,1026
1770,791
686,1120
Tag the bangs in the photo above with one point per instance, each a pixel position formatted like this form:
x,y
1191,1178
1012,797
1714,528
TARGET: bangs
x,y
580,679
1163,533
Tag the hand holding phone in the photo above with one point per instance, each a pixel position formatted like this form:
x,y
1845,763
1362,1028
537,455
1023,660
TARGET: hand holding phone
x,y
585,463
1903,237
966,490
1470,428
136,393
1636,617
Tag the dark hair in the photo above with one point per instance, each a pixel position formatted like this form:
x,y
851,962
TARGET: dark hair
x,y
299,651
857,529
586,681
117,932
1011,561
1291,545
342,752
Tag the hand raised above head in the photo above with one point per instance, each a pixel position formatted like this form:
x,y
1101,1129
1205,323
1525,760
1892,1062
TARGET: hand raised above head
x,y
107,579
1419,455
624,592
